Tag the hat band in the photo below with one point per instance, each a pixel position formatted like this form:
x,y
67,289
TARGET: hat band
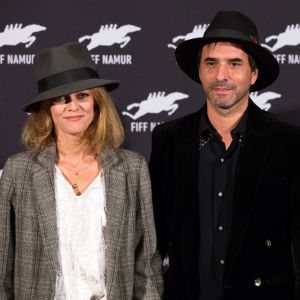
x,y
65,77
227,33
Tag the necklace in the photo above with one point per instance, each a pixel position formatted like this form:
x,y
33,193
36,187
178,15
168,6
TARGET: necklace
x,y
74,184
77,174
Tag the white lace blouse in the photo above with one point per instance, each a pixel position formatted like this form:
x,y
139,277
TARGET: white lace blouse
x,y
80,221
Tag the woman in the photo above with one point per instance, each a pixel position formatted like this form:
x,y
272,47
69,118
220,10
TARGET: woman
x,y
76,218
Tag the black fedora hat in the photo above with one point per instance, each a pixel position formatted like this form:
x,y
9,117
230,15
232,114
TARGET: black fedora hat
x,y
63,70
230,26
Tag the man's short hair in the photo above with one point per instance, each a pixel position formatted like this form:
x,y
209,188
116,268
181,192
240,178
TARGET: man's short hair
x,y
251,60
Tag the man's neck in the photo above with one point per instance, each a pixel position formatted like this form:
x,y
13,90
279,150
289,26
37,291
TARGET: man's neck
x,y
225,120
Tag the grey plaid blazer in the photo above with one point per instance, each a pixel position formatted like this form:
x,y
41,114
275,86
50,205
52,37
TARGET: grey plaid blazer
x,y
29,264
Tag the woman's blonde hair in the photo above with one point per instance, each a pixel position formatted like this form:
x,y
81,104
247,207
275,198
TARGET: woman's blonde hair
x,y
105,130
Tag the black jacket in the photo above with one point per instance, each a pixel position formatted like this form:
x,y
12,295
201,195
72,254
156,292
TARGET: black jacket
x,y
264,248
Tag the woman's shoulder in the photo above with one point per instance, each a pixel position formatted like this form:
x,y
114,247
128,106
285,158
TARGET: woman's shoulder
x,y
21,157
123,159
130,157
134,165
17,163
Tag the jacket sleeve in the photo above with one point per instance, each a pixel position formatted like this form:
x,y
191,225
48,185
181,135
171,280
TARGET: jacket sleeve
x,y
161,168
294,192
6,233
148,282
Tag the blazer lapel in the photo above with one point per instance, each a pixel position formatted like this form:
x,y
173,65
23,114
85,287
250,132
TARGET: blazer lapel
x,y
247,175
115,191
43,183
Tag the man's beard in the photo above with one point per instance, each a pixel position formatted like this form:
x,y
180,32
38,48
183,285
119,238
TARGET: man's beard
x,y
230,99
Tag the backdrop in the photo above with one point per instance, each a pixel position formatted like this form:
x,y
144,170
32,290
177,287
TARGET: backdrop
x,y
134,41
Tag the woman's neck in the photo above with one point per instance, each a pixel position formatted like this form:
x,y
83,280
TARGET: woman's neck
x,y
73,150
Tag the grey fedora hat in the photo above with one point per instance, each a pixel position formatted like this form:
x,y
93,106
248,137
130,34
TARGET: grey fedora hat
x,y
230,26
63,70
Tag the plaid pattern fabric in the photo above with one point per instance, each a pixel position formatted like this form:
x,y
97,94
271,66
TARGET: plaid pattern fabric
x,y
28,228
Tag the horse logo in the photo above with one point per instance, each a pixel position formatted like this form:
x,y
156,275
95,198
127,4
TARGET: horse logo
x,y
16,34
109,35
262,100
197,32
290,37
155,104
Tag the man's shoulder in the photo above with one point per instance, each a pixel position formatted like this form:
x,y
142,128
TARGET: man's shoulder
x,y
279,125
275,129
286,132
268,122
179,125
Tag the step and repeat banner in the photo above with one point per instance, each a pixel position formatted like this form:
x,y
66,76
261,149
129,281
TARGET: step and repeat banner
x,y
134,42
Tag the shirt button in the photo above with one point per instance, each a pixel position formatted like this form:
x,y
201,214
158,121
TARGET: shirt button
x,y
220,228
257,282
222,160
220,194
222,261
268,243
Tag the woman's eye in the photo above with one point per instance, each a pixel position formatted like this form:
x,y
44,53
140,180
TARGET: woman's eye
x,y
60,100
82,96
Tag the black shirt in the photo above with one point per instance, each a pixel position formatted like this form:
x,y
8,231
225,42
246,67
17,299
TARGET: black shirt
x,y
217,166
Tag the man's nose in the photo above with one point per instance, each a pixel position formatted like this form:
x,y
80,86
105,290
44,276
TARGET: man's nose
x,y
222,72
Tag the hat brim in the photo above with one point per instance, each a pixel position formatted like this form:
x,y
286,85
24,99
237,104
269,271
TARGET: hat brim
x,y
65,89
268,68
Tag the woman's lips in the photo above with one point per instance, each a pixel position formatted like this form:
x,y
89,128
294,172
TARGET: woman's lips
x,y
74,118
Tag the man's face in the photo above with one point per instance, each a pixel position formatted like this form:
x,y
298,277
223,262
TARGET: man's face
x,y
225,74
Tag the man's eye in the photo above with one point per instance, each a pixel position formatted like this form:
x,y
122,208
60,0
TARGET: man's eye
x,y
210,63
235,64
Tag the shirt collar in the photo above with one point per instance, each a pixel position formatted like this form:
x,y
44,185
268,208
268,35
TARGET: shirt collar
x,y
206,129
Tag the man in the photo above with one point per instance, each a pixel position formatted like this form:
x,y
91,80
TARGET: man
x,y
225,179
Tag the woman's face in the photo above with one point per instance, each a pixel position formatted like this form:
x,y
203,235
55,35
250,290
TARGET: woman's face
x,y
73,113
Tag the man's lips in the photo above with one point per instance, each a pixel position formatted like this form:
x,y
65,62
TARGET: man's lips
x,y
74,118
222,89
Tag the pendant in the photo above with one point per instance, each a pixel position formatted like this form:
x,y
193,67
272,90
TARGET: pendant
x,y
75,188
